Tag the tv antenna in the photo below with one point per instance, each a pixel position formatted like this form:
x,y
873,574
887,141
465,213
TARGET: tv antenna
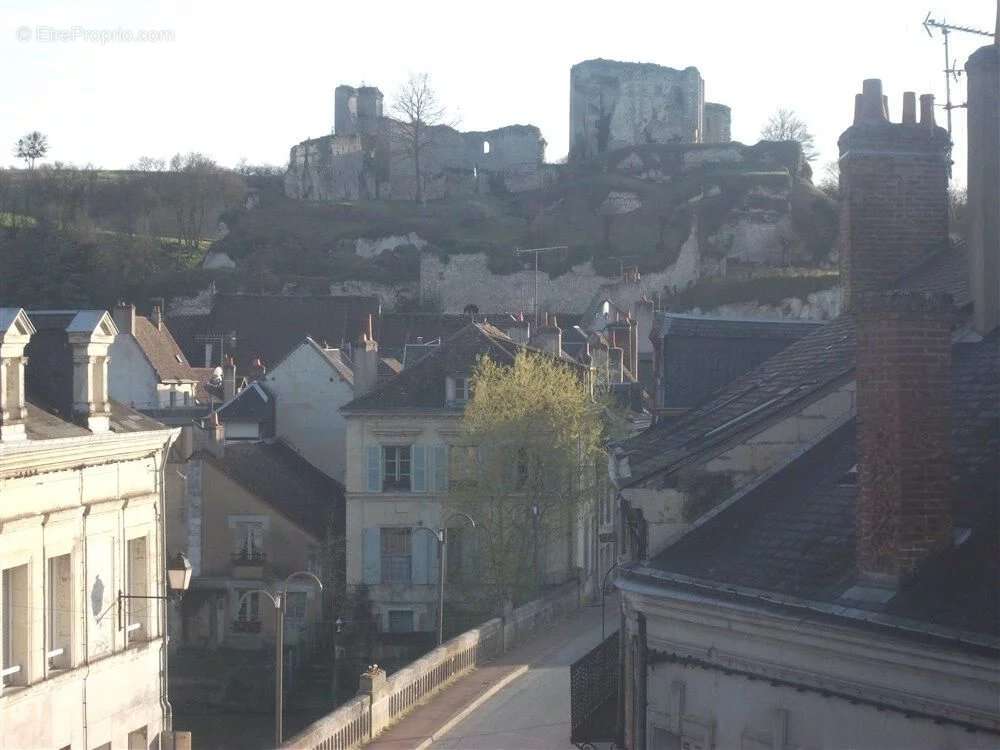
x,y
951,69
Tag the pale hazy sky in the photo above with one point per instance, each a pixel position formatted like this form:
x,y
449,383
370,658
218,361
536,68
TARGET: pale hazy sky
x,y
250,79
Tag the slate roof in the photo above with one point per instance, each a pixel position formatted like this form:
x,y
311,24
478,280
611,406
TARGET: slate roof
x,y
287,482
253,404
794,534
808,366
162,351
43,423
269,326
421,386
702,354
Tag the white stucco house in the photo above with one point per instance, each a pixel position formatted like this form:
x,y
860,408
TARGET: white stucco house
x,y
81,518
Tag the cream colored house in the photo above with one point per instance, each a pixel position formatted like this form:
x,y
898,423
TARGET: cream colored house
x,y
402,440
81,509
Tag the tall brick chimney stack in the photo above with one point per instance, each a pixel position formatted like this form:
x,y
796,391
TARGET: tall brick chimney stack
x,y
894,183
983,72
904,431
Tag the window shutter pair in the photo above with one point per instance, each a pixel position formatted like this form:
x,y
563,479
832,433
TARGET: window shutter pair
x,y
425,559
441,468
374,468
371,556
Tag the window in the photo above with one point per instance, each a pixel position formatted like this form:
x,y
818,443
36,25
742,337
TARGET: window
x,y
486,147
60,613
397,555
458,391
400,620
137,620
248,541
396,468
16,633
248,614
297,604
137,739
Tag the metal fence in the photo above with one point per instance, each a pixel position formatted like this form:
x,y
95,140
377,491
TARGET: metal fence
x,y
593,685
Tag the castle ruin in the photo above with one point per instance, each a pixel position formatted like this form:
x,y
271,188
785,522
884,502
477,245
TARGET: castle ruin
x,y
618,104
613,105
366,157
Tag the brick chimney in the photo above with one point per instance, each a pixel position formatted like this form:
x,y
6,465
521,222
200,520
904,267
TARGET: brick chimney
x,y
548,337
904,431
894,188
16,330
983,70
125,318
365,361
90,334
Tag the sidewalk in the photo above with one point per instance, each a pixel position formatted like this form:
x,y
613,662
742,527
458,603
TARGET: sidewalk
x,y
418,729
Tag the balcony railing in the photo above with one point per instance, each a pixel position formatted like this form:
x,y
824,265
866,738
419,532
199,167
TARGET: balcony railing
x,y
249,558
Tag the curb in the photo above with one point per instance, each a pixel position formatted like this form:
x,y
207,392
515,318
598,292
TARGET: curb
x,y
464,713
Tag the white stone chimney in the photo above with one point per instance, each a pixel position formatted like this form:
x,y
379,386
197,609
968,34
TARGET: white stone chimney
x,y
519,331
365,361
16,330
125,318
548,337
90,334
229,380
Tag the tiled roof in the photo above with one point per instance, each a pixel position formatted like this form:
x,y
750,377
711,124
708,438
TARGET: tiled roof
x,y
422,385
162,351
794,533
269,326
287,482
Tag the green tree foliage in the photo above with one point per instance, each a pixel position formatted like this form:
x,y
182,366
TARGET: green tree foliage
x,y
525,470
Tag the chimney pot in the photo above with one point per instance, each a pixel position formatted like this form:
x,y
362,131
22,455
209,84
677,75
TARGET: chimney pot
x,y
872,101
909,108
927,111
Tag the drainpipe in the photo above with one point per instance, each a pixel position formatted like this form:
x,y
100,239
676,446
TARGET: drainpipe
x,y
84,625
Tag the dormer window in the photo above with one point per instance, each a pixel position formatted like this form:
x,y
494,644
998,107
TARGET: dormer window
x,y
457,391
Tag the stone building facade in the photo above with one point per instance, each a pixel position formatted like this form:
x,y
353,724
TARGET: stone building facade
x,y
616,104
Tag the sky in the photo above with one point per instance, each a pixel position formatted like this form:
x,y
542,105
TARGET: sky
x,y
248,79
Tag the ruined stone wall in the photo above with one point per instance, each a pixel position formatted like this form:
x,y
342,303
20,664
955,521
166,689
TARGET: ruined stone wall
x,y
378,163
616,104
718,123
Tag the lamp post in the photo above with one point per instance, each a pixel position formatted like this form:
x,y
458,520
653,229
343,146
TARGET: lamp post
x,y
442,541
279,600
178,581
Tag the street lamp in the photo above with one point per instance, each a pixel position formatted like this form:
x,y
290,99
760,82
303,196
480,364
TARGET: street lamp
x,y
279,600
442,541
178,581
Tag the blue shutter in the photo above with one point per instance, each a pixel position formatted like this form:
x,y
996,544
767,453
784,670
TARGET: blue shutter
x,y
418,456
441,468
374,468
418,552
371,556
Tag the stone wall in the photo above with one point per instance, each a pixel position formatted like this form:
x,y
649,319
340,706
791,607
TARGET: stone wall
x,y
718,123
615,104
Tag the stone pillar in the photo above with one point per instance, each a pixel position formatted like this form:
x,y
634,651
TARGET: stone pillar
x,y
90,336
983,69
15,333
904,431
894,192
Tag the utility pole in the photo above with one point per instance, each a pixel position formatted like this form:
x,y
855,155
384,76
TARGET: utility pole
x,y
951,69
536,250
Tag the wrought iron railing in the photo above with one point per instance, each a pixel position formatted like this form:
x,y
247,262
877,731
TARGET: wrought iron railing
x,y
249,558
593,687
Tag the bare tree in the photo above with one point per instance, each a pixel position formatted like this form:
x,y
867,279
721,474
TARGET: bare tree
x,y
785,125
32,147
417,107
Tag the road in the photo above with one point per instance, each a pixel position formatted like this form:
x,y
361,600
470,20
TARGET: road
x,y
532,712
